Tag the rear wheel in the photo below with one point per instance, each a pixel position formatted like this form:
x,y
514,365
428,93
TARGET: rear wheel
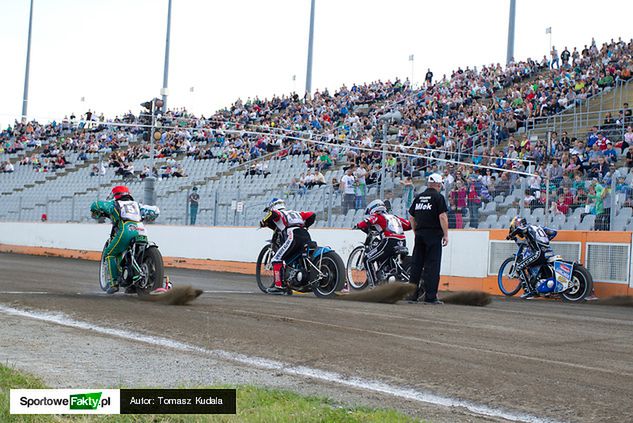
x,y
509,285
581,285
332,267
355,270
152,267
264,269
104,275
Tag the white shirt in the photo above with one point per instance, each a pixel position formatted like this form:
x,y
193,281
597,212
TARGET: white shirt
x,y
348,183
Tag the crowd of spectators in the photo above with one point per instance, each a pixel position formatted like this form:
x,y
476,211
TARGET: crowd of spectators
x,y
475,115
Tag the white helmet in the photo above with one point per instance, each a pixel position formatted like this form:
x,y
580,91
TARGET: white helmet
x,y
436,178
376,206
275,204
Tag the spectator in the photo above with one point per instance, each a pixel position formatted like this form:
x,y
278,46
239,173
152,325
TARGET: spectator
x,y
194,200
360,175
179,172
428,78
348,188
408,191
555,59
474,202
529,200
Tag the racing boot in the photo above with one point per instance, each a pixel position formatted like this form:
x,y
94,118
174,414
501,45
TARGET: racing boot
x,y
112,289
278,288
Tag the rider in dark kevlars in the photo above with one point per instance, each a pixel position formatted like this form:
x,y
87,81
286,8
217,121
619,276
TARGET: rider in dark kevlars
x,y
538,239
126,216
390,226
292,226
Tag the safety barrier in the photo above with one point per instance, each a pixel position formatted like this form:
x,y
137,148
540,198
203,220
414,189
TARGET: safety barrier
x,y
469,262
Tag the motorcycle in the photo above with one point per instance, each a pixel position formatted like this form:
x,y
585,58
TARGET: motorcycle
x,y
396,267
558,277
141,268
315,269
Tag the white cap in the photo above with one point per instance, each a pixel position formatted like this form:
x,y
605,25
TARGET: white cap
x,y
436,178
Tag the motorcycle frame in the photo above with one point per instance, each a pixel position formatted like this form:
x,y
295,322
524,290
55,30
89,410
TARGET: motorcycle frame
x,y
371,235
523,276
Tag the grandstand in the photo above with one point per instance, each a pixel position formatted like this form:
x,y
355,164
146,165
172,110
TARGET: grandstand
x,y
514,120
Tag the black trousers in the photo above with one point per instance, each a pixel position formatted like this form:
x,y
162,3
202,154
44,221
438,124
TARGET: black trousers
x,y
427,258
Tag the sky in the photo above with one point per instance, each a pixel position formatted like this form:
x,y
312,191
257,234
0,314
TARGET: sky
x,y
111,52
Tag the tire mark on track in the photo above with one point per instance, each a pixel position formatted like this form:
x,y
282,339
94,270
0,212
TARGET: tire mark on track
x,y
439,343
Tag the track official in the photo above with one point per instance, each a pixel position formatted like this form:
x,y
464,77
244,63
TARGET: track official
x,y
429,220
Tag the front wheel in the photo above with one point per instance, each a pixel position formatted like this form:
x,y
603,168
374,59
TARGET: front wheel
x,y
333,275
104,275
355,270
264,269
581,285
153,269
508,284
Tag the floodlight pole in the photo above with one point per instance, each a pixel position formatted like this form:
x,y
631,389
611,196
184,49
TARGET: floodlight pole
x,y
310,44
164,91
25,98
510,54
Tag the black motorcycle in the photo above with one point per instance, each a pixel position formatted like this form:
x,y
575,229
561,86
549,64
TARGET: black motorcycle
x,y
315,269
395,268
141,268
557,277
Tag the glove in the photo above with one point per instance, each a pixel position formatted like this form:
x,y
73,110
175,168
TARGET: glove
x,y
262,224
355,226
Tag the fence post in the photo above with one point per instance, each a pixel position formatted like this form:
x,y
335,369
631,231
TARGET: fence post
x,y
72,211
329,205
215,208
19,208
623,111
521,198
547,181
600,115
613,198
187,221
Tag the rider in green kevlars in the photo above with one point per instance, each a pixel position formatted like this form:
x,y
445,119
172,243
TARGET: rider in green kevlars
x,y
126,216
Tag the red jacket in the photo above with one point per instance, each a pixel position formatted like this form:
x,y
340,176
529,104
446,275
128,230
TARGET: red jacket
x,y
391,226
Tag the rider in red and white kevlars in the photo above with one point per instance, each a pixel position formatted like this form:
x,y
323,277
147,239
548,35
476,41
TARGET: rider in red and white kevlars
x,y
391,227
292,226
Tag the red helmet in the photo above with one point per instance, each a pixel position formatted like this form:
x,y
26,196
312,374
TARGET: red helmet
x,y
119,191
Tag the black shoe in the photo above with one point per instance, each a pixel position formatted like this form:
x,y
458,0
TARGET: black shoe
x,y
112,289
279,290
433,302
529,295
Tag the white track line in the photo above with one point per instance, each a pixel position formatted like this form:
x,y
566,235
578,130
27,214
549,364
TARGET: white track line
x,y
24,292
443,344
263,363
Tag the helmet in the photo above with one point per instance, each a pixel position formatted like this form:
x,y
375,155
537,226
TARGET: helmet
x,y
376,206
275,204
435,178
517,222
119,191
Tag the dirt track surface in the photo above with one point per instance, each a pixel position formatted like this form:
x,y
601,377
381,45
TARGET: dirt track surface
x,y
546,359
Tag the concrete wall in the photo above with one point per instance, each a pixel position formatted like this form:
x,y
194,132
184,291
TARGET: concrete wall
x,y
234,244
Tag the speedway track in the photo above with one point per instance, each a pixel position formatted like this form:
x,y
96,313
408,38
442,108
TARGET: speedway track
x,y
540,360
